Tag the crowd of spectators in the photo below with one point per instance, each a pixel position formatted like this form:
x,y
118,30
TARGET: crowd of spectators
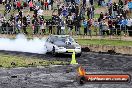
x,y
73,17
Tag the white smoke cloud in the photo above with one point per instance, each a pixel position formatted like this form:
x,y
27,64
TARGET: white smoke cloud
x,y
22,44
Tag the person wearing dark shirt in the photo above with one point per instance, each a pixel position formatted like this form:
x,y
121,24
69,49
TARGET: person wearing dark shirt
x,y
35,12
42,4
101,16
115,9
77,25
12,18
76,10
110,25
50,26
20,14
117,27
84,3
88,13
7,8
36,25
51,3
73,9
70,26
24,27
0,1
91,2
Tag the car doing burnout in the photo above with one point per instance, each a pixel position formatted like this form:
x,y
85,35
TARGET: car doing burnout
x,y
62,44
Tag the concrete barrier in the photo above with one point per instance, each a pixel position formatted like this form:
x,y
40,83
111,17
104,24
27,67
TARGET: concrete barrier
x,y
108,48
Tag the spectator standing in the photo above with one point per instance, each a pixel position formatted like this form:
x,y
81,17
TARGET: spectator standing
x,y
120,6
115,8
40,12
85,25
18,5
21,14
62,27
15,5
38,3
110,25
50,26
123,23
36,26
19,26
89,24
101,15
96,25
76,10
92,12
42,29
77,25
59,28
3,26
46,5
28,19
7,8
70,26
51,4
101,27
84,3
117,26
91,2
31,5
25,25
13,26
42,4
88,12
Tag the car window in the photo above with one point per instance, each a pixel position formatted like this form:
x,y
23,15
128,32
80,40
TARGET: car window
x,y
62,39
71,39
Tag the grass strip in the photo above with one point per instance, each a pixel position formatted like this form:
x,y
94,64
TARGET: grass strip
x,y
11,61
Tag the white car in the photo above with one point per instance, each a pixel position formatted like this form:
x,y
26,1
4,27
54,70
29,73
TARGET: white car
x,y
62,44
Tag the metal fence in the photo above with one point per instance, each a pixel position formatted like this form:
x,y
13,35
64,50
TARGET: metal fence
x,y
93,31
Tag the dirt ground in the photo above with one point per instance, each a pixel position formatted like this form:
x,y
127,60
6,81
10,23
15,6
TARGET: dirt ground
x,y
65,76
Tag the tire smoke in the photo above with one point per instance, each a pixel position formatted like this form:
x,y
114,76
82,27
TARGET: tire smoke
x,y
22,44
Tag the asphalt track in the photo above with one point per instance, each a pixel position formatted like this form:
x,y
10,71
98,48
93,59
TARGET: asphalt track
x,y
65,76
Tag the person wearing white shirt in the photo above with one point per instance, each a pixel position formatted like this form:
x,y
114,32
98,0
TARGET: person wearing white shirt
x,y
19,26
28,19
40,12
